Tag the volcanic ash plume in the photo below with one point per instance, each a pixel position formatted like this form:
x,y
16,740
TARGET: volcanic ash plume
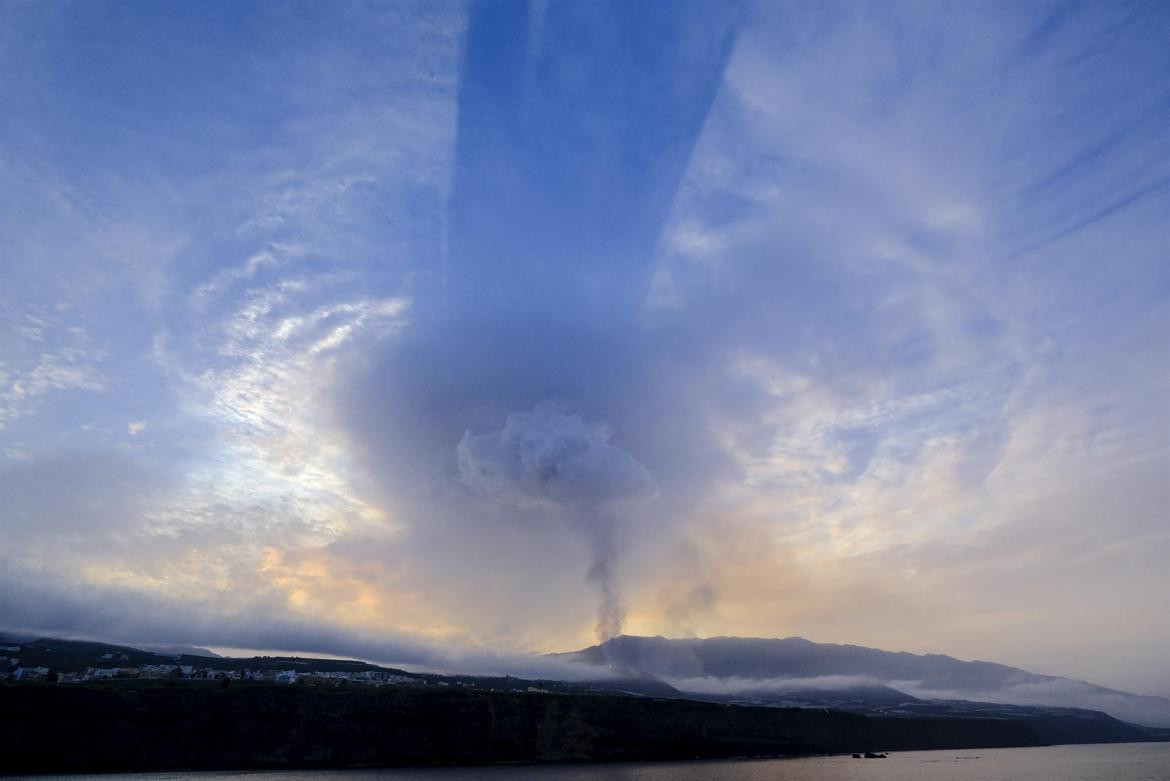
x,y
610,612
559,464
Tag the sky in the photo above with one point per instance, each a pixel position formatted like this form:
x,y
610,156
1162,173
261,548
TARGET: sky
x,y
441,333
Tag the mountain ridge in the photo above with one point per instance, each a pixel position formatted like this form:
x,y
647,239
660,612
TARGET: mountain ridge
x,y
766,667
57,665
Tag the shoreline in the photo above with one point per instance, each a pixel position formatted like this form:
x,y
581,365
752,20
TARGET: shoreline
x,y
77,729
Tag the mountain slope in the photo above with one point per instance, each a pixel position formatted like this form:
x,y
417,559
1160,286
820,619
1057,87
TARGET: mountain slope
x,y
758,666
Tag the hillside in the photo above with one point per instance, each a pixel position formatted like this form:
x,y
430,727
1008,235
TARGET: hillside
x,y
107,729
773,670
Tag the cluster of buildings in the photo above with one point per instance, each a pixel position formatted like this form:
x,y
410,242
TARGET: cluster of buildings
x,y
12,670
19,673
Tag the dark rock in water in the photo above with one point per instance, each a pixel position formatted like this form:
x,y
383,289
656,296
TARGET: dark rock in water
x,y
872,755
857,756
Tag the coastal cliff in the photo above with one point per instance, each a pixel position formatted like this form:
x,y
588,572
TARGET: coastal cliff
x,y
72,729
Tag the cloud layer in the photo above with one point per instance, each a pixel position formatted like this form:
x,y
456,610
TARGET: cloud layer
x,y
435,324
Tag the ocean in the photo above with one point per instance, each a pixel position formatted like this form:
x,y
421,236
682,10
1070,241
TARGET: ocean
x,y
1107,762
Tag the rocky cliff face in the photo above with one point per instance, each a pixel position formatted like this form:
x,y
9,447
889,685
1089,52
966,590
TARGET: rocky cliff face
x,y
73,729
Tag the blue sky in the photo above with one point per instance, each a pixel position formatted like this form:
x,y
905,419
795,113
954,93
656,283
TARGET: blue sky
x,y
407,330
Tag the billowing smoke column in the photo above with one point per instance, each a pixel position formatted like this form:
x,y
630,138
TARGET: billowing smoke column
x,y
574,130
560,464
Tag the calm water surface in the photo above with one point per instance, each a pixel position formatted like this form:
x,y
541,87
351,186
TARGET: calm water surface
x,y
1118,762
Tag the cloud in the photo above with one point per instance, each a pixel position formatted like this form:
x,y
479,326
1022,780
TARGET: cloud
x,y
546,457
34,369
1058,693
34,605
1052,692
136,427
735,685
821,320
555,461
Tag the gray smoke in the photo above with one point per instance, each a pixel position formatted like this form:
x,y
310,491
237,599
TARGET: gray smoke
x,y
563,466
610,612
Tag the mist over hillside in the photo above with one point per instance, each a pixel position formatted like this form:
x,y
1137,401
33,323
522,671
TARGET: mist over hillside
x,y
776,669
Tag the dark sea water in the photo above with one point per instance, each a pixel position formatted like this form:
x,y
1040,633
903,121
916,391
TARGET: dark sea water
x,y
1115,762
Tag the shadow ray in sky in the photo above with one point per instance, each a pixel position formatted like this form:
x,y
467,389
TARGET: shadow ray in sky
x,y
576,122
